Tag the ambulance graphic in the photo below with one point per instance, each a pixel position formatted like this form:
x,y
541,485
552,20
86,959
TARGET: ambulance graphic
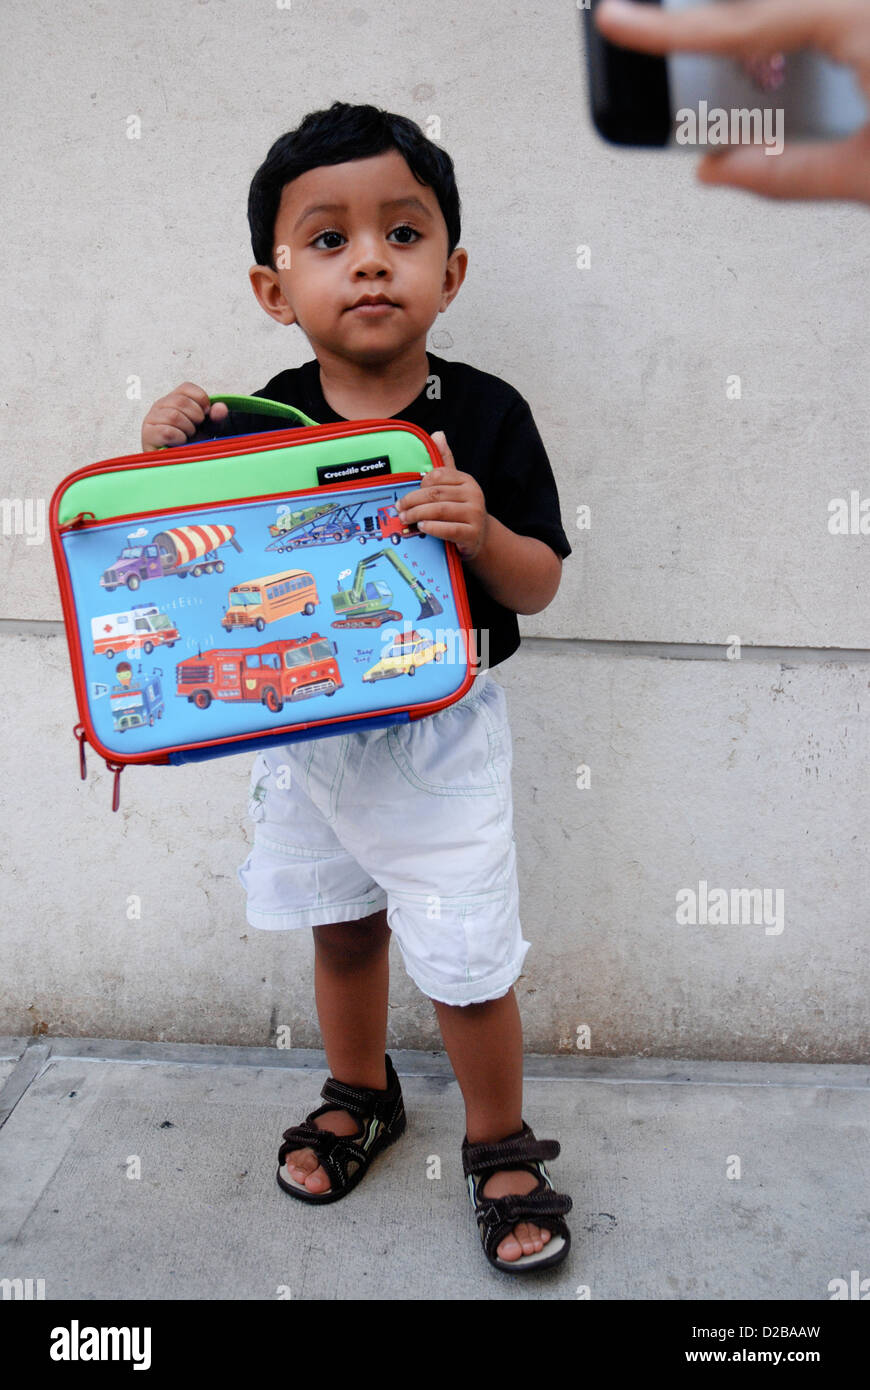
x,y
141,628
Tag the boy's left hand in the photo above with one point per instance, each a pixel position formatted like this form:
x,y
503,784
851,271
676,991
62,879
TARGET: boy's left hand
x,y
448,504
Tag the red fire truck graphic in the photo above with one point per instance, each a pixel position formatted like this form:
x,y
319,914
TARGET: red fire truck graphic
x,y
278,671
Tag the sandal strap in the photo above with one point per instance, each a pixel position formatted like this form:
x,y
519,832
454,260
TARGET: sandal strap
x,y
497,1216
516,1207
360,1100
522,1147
334,1151
350,1097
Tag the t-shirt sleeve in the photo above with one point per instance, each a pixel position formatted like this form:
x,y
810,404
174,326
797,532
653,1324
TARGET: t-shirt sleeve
x,y
525,497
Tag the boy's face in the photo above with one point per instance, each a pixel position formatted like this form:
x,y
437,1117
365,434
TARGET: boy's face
x,y
328,258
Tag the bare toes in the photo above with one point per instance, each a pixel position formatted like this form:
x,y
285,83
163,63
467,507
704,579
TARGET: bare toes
x,y
528,1237
303,1167
510,1249
525,1239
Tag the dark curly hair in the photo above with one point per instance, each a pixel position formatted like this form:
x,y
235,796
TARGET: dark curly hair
x,y
334,136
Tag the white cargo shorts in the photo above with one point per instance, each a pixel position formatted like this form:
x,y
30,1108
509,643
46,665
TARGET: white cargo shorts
x,y
416,818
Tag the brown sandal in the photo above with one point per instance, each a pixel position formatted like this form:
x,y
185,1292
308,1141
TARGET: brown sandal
x,y
497,1216
346,1157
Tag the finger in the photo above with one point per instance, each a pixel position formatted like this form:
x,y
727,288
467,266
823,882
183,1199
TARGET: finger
x,y
189,391
410,499
193,401
736,27
447,520
425,500
180,407
460,534
156,435
439,439
432,508
162,437
175,426
838,171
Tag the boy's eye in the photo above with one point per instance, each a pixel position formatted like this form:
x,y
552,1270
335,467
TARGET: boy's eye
x,y
405,227
322,235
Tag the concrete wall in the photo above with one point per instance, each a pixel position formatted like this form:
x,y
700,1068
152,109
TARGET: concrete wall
x,y
706,659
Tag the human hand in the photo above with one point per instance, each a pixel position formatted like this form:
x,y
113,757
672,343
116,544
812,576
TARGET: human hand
x,y
173,419
751,29
448,504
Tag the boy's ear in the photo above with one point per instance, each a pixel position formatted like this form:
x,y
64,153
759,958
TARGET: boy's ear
x,y
454,275
268,293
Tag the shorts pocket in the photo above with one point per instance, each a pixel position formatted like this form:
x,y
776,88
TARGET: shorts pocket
x,y
457,752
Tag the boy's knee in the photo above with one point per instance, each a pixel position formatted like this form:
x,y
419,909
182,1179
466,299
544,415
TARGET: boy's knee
x,y
353,940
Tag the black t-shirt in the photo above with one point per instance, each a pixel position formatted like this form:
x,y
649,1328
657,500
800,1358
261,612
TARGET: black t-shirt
x,y
492,435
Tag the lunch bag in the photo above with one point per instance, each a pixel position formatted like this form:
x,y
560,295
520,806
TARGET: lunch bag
x,y
256,590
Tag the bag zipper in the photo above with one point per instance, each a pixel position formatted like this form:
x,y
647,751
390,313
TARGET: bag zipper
x,y
79,522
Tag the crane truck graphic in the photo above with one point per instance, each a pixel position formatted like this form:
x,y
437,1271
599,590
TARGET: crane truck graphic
x,y
328,523
183,550
367,602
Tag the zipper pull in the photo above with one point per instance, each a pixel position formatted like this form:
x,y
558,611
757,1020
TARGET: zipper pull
x,y
117,768
77,521
80,734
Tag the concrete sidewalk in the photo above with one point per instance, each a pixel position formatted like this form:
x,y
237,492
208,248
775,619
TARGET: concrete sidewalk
x,y
647,1146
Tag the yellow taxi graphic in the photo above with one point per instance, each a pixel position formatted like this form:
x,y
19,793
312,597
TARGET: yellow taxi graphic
x,y
404,656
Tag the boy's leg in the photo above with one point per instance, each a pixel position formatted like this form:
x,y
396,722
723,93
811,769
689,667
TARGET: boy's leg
x,y
351,985
485,1045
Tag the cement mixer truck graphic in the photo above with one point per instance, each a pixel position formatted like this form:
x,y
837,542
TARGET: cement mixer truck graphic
x,y
184,550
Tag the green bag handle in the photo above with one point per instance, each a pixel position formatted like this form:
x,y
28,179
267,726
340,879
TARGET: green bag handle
x,y
258,405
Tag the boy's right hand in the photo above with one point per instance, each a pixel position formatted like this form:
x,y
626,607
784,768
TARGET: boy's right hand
x,y
173,419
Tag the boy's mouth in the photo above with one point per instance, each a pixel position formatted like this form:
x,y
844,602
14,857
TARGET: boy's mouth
x,y
373,304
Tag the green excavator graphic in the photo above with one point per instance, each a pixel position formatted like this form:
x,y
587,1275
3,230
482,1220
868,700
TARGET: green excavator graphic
x,y
367,602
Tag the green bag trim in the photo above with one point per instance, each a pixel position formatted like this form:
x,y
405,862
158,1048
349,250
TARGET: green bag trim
x,y
258,405
229,478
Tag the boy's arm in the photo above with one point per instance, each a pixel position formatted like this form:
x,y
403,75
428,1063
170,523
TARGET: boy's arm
x,y
520,572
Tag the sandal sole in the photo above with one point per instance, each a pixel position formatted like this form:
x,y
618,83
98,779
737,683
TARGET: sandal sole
x,y
553,1253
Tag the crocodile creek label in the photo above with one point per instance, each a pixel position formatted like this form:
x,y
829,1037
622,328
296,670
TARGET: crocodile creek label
x,y
357,468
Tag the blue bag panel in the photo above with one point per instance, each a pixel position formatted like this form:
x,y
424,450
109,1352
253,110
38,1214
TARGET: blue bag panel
x,y
220,621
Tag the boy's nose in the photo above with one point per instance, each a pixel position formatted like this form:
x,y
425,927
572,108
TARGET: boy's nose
x,y
370,258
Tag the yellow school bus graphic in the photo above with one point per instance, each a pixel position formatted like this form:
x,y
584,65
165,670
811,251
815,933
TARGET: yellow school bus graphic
x,y
256,602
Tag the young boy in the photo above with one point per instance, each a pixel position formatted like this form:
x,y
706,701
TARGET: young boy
x,y
354,222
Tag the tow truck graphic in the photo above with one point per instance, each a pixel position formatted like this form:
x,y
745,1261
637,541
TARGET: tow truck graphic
x,y
328,523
